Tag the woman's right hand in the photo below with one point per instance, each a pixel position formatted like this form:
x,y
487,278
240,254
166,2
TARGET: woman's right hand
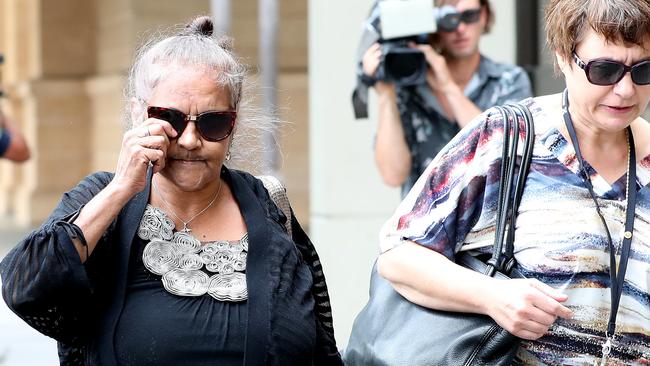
x,y
526,307
141,146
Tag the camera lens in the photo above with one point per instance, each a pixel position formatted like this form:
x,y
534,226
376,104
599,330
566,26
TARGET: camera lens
x,y
405,67
402,65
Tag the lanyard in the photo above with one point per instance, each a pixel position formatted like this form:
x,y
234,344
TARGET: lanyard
x,y
617,277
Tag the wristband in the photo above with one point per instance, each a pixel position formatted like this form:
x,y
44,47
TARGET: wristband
x,y
367,80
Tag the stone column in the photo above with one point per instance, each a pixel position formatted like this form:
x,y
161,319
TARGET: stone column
x,y
49,51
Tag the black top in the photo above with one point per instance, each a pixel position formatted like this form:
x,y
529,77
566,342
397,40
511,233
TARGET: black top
x,y
80,305
198,330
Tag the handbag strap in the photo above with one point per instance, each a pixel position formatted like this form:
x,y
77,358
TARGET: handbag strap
x,y
279,196
511,184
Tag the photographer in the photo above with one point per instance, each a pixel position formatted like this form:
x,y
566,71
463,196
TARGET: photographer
x,y
416,121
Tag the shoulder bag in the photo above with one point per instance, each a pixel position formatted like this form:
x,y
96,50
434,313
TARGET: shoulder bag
x,y
390,330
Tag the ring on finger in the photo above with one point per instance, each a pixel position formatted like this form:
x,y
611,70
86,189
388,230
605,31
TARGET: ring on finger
x,y
146,134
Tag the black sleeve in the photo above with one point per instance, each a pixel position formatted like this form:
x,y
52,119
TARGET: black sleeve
x,y
43,279
326,350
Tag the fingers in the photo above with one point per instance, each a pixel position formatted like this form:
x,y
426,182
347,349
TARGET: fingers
x,y
529,307
153,126
526,334
551,303
531,322
434,59
552,307
155,134
159,127
538,316
373,48
550,291
371,59
154,158
147,145
425,48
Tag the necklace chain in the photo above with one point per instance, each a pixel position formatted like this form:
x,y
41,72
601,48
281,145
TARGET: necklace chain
x,y
626,233
169,206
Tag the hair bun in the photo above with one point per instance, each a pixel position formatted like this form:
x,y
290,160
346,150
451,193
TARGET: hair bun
x,y
202,25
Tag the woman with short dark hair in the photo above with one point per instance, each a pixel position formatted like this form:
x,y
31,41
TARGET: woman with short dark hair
x,y
583,228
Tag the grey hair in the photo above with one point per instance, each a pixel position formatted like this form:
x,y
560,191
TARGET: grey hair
x,y
194,46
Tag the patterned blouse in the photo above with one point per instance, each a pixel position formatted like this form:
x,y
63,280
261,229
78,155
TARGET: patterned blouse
x,y
559,238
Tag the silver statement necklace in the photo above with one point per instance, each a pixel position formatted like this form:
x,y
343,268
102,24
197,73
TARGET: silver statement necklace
x,y
188,267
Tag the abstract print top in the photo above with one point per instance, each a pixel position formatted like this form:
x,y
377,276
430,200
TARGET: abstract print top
x,y
559,238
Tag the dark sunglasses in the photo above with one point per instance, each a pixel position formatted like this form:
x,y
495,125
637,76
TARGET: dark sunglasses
x,y
211,125
451,21
608,72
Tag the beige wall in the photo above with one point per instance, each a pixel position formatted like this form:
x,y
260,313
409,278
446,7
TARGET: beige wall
x,y
66,66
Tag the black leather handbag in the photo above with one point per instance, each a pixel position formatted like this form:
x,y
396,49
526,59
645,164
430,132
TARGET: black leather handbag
x,y
392,331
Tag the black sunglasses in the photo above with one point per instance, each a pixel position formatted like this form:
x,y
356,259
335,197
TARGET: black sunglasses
x,y
451,21
609,72
211,125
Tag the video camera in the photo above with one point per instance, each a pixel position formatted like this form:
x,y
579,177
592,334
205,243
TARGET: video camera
x,y
401,22
393,24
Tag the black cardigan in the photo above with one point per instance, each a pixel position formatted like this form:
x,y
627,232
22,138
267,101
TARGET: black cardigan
x,y
79,305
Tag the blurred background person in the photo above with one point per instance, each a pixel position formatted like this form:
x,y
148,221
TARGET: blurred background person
x,y
582,236
417,119
12,141
177,231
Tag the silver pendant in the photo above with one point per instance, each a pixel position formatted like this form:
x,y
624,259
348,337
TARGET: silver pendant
x,y
607,348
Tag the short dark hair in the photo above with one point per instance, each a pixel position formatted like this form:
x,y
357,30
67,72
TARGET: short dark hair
x,y
618,21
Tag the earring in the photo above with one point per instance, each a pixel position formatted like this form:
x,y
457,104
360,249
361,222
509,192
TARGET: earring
x,y
232,137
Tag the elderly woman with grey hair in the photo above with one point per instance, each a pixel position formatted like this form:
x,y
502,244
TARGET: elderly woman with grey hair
x,y
175,258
